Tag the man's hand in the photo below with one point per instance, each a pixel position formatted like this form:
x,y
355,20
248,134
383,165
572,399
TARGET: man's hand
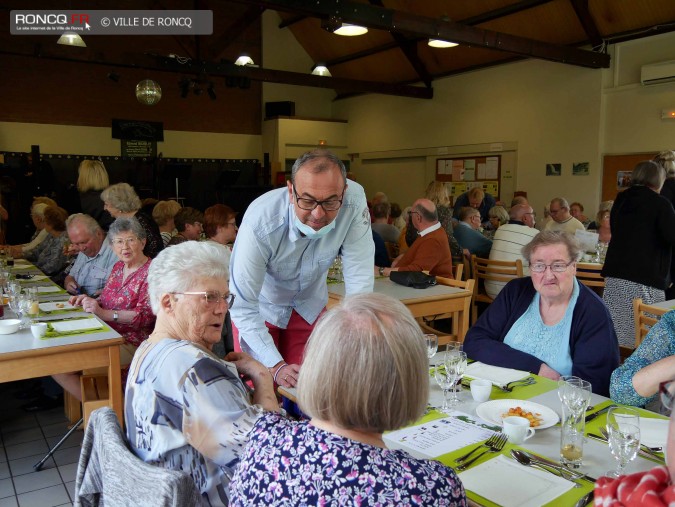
x,y
71,286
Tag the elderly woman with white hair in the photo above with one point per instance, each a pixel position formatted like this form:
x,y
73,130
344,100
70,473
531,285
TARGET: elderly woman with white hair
x,y
186,409
338,457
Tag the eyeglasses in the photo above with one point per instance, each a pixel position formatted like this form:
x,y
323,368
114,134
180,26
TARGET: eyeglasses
x,y
311,204
211,297
231,224
667,394
556,267
123,242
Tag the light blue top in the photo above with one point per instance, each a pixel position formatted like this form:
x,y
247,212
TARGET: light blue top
x,y
275,270
91,273
658,344
550,344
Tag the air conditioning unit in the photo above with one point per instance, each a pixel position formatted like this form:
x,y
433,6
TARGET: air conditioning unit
x,y
656,73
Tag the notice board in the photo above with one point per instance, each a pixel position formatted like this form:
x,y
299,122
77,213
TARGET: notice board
x,y
461,174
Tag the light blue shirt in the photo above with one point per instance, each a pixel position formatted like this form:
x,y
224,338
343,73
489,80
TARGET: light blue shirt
x,y
550,344
275,270
91,273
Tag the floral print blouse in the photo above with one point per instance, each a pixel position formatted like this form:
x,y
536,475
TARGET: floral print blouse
x,y
289,463
130,294
48,256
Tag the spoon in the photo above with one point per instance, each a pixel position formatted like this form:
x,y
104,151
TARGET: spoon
x,y
523,459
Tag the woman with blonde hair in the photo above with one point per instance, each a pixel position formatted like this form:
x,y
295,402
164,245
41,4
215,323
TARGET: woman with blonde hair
x,y
163,214
121,200
91,180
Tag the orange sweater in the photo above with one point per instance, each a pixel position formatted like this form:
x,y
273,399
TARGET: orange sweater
x,y
430,252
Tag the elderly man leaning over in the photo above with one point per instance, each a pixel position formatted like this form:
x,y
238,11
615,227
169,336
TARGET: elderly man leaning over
x,y
288,239
95,259
431,251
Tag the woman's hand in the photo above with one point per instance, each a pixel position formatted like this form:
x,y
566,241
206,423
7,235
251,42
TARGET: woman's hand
x,y
259,375
77,300
548,372
285,375
90,305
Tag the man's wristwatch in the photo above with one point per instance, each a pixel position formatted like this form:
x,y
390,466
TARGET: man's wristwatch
x,y
116,316
381,271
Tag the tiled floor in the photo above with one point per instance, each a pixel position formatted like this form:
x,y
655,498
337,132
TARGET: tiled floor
x,y
24,440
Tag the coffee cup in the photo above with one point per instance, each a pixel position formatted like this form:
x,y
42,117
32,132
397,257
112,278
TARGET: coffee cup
x,y
517,429
481,390
39,329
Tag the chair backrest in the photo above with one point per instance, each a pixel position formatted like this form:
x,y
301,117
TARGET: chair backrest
x,y
109,473
491,270
456,334
458,271
645,317
588,273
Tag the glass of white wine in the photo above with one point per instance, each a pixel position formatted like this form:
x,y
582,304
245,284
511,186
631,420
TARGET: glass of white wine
x,y
623,429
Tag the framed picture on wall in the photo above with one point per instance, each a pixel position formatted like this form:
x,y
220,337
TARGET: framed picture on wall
x,y
580,169
623,179
553,169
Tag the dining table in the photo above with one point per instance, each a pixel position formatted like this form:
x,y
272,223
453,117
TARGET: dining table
x,y
23,356
503,481
425,303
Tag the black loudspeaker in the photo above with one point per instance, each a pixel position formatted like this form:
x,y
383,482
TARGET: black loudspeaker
x,y
274,109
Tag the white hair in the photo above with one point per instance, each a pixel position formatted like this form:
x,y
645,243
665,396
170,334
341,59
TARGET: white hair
x,y
176,268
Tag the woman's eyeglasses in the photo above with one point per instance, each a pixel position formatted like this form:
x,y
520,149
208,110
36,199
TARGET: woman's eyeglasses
x,y
556,267
211,297
123,242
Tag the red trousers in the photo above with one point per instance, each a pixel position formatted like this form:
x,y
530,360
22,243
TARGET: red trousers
x,y
290,342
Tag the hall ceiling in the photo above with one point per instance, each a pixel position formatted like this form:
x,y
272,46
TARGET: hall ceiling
x,y
392,58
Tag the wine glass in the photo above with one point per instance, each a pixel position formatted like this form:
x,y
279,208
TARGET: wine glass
x,y
446,381
455,365
623,429
575,394
432,344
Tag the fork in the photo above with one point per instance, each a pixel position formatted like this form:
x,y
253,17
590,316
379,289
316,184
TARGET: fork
x,y
523,382
485,444
496,447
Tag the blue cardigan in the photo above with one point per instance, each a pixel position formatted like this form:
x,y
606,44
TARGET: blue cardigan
x,y
594,347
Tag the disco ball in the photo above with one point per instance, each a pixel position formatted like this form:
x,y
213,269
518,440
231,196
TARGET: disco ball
x,y
148,92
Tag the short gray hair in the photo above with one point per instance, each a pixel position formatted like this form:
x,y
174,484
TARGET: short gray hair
x,y
648,173
89,223
124,224
375,339
122,196
329,158
562,202
177,268
548,238
499,212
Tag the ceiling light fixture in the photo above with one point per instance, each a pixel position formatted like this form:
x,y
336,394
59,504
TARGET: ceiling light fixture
x,y
351,30
244,59
148,92
438,43
71,39
320,69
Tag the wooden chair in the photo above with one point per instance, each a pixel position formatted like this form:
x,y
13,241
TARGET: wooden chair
x,y
589,274
491,270
646,316
456,334
392,249
458,271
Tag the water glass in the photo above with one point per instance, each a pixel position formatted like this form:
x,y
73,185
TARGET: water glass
x,y
455,365
623,429
574,394
432,344
446,382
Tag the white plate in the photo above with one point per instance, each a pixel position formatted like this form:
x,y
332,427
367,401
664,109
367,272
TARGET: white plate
x,y
76,325
653,432
49,288
50,307
492,411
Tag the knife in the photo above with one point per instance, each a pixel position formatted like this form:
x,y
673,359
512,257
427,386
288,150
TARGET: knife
x,y
557,465
584,500
599,412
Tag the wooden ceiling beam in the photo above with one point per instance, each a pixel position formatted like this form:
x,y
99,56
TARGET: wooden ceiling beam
x,y
291,21
160,63
234,31
587,22
507,10
412,25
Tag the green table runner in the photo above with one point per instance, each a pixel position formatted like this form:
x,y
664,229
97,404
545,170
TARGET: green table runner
x,y
52,333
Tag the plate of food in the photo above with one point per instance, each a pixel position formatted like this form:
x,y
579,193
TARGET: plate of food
x,y
58,305
495,411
